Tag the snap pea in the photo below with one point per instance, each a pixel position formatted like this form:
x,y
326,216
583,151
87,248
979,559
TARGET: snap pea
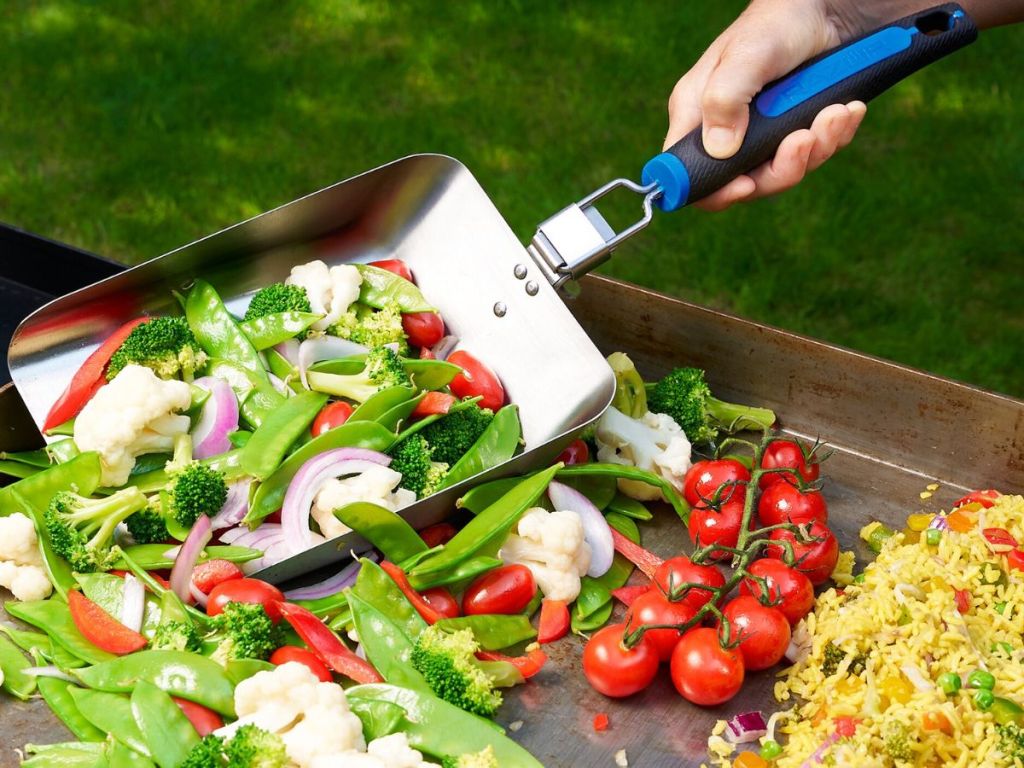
x,y
624,525
378,589
164,727
631,473
72,754
594,621
26,639
534,604
107,591
325,606
279,430
110,713
120,756
82,472
593,596
154,557
599,489
386,644
270,494
58,571
462,572
342,620
493,632
57,694
38,458
479,497
66,429
387,531
186,675
379,718
411,562
13,665
61,657
18,470
381,402
63,451
216,330
495,446
239,438
238,670
430,374
394,417
53,617
380,287
623,505
264,332
230,464
149,462
485,533
255,394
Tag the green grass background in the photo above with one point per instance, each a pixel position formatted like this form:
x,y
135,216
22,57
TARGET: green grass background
x,y
129,128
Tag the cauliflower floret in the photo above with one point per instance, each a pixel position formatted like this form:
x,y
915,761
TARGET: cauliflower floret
x,y
552,546
18,540
331,290
26,582
134,414
374,485
655,443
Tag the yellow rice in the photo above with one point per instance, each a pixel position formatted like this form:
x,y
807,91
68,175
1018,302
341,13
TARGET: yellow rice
x,y
922,581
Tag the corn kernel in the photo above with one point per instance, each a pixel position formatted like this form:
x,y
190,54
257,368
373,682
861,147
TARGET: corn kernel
x,y
919,523
897,688
925,494
932,486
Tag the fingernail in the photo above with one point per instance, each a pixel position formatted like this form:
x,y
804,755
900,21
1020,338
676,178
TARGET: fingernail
x,y
719,141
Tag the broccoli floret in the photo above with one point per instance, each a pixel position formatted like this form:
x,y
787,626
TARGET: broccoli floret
x,y
1011,741
447,662
196,490
147,526
208,753
373,329
834,656
685,396
165,344
245,631
278,298
896,740
176,636
450,437
383,368
253,747
82,529
483,759
420,473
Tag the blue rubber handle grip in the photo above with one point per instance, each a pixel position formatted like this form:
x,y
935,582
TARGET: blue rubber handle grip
x,y
858,70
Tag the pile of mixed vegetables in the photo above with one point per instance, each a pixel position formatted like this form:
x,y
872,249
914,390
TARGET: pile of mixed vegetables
x,y
202,448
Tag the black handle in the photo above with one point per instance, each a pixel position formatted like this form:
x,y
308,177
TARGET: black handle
x,y
858,70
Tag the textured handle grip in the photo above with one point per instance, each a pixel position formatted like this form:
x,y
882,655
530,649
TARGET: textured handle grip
x,y
858,70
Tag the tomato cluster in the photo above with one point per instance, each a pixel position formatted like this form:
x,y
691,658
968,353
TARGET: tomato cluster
x,y
687,617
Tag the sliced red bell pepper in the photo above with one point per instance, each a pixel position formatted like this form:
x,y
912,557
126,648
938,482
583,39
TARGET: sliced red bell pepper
x,y
429,613
206,576
554,621
528,665
601,722
626,595
999,539
433,403
1015,559
100,628
986,498
436,535
326,645
846,727
88,378
647,562
204,720
963,601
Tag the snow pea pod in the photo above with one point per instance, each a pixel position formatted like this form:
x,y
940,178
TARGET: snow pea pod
x,y
26,639
593,596
264,332
155,557
38,458
216,331
18,470
596,620
461,573
72,754
379,718
631,473
13,665
280,429
342,621
63,451
425,374
493,632
57,694
624,505
186,675
599,489
624,525
110,713
230,464
255,394
82,472
496,445
381,402
380,287
379,590
61,657
325,606
387,531
120,756
479,497
53,617
164,727
386,644
238,670
270,494
394,417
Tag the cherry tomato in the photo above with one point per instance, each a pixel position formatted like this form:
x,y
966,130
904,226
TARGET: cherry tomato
x,y
438,534
331,415
710,526
763,633
963,601
576,452
785,503
613,669
100,628
433,404
203,719
681,570
507,589
245,591
303,656
1015,559
554,621
476,380
397,266
653,607
206,576
424,329
703,671
441,600
790,591
816,558
703,480
787,453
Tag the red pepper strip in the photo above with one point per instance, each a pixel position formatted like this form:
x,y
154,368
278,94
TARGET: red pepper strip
x,y
436,535
626,595
1015,558
1000,539
647,562
88,378
204,720
528,665
846,726
429,613
100,628
986,498
326,645
600,722
433,403
963,601
554,621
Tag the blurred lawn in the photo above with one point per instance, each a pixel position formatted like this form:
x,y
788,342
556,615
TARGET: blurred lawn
x,y
130,128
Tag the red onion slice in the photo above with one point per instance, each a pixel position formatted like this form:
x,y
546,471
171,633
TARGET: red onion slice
x,y
235,505
198,595
346,577
218,419
185,562
133,603
595,528
279,385
745,728
289,350
444,347
324,348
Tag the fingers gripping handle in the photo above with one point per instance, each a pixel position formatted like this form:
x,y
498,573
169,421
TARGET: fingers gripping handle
x,y
858,70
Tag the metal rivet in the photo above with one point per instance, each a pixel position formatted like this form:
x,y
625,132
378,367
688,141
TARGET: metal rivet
x,y
500,309
519,271
532,288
